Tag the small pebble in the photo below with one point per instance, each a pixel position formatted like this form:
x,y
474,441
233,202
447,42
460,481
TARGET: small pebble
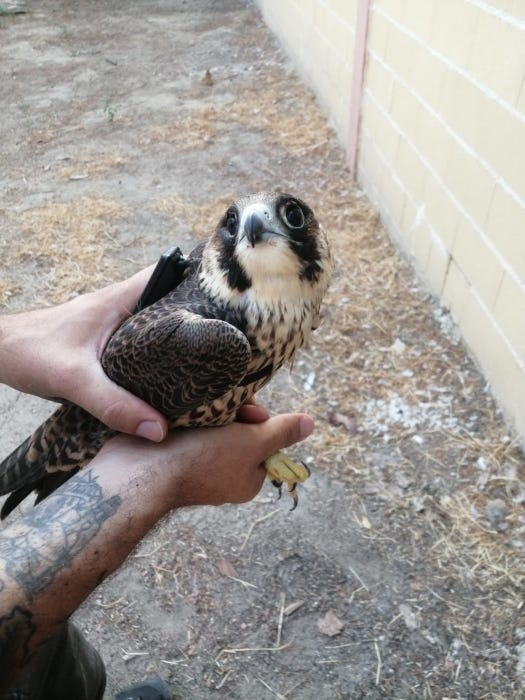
x,y
496,512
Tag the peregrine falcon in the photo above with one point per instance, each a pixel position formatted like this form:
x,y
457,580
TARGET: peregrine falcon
x,y
249,299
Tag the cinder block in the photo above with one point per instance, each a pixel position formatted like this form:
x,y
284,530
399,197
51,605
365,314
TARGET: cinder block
x,y
509,312
470,183
401,51
394,8
461,105
497,56
380,128
456,291
378,28
434,143
410,169
477,262
284,15
337,33
409,220
436,268
486,127
487,344
497,362
320,56
379,82
341,119
440,210
307,8
453,27
370,163
417,17
501,142
521,99
346,10
344,81
320,16
407,112
427,76
278,19
506,229
421,243
392,196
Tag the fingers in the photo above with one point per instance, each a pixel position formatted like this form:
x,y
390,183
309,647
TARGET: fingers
x,y
117,302
111,404
122,411
251,412
128,291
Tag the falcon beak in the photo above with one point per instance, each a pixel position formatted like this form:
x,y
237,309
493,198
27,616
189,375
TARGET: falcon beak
x,y
254,228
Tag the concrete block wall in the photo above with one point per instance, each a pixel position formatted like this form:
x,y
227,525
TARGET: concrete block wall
x,y
441,149
319,36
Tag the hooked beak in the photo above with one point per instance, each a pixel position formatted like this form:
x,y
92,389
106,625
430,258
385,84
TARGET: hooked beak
x,y
254,228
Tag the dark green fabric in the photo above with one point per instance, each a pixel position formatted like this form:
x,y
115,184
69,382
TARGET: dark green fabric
x,y
67,667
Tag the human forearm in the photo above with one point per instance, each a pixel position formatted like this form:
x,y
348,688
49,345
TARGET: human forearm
x,y
54,557
51,559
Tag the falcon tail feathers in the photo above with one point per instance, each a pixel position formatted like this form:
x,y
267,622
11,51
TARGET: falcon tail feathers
x,y
45,486
14,499
16,471
66,441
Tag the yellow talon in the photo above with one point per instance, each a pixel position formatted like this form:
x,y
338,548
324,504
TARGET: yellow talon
x,y
281,469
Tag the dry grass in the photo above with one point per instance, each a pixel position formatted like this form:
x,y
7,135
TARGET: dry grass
x,y
194,132
8,289
90,165
67,242
199,219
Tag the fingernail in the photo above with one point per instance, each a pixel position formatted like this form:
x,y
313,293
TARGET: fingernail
x,y
306,425
151,430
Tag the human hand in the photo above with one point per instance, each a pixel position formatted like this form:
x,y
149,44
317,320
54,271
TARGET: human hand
x,y
205,466
55,352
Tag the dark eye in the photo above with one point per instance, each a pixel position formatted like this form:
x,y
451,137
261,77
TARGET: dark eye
x,y
292,214
232,221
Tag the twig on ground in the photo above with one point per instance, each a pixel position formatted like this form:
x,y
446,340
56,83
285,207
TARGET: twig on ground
x,y
280,623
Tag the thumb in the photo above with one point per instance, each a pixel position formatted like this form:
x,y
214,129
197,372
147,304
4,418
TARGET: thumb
x,y
285,429
121,410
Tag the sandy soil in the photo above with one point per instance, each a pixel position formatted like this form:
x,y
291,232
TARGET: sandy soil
x,y
401,573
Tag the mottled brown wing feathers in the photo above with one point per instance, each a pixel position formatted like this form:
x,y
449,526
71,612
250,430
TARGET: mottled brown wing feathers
x,y
176,360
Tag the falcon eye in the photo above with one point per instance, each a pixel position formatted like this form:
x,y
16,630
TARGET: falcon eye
x,y
292,214
232,221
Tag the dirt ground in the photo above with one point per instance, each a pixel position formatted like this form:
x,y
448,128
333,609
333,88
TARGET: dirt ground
x,y
125,128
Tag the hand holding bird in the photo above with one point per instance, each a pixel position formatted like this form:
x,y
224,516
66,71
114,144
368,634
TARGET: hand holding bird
x,y
250,298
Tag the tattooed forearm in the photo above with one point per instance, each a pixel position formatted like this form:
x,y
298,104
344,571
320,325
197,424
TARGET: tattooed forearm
x,y
57,530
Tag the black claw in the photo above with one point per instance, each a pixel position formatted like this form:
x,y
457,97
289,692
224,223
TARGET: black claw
x,y
307,468
278,485
293,495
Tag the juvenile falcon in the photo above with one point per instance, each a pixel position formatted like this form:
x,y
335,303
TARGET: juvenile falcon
x,y
249,299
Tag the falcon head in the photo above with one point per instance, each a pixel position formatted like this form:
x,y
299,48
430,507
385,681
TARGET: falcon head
x,y
268,248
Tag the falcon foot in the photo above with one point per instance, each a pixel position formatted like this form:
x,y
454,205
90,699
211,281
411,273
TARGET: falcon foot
x,y
281,469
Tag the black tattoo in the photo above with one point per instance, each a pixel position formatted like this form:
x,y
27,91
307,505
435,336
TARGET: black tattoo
x,y
54,532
